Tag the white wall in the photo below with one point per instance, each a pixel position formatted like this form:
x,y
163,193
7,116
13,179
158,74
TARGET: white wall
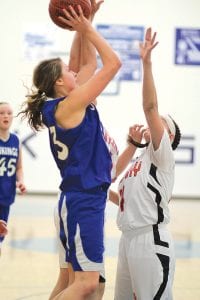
x,y
178,86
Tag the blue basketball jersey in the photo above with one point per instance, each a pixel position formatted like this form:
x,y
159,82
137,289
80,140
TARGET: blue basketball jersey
x,y
80,153
9,153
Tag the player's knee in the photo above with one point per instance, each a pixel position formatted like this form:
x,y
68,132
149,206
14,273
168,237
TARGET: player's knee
x,y
89,286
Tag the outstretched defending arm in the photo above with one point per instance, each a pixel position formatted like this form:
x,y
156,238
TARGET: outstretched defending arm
x,y
150,103
87,92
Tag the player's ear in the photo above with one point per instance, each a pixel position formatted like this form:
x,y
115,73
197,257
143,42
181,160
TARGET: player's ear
x,y
171,136
59,81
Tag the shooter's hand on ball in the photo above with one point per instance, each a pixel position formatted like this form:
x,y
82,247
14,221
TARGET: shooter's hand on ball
x,y
77,22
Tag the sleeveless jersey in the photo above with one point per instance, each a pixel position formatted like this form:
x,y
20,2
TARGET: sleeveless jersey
x,y
80,153
9,153
146,188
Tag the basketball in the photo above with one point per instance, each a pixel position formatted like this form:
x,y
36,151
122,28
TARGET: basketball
x,y
56,7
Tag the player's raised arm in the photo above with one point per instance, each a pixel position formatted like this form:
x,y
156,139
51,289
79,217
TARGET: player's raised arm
x,y
83,59
150,103
111,63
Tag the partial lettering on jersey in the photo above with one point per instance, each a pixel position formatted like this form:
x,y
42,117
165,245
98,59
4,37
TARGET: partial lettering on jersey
x,y
8,160
135,168
7,166
132,172
113,150
9,151
64,151
121,202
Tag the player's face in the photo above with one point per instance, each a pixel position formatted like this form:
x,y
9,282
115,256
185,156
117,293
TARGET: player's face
x,y
6,116
68,77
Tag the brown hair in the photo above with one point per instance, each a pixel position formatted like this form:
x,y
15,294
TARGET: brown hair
x,y
4,102
44,77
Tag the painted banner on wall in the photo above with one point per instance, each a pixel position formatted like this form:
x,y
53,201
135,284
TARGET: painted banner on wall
x,y
124,39
187,46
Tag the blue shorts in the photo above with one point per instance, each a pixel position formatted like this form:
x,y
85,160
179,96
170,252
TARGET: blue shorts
x,y
4,213
81,220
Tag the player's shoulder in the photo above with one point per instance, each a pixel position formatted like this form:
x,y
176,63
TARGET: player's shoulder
x,y
14,138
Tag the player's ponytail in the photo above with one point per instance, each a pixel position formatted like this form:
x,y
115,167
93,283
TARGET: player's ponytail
x,y
44,78
33,109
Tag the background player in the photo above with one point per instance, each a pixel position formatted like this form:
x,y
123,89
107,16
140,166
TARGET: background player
x,y
11,170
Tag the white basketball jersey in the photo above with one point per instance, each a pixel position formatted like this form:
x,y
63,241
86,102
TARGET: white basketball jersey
x,y
113,150
146,188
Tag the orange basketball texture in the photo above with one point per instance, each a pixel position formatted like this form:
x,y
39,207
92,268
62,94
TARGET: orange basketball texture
x,y
56,7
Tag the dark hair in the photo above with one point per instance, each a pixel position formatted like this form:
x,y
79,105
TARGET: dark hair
x,y
177,137
44,77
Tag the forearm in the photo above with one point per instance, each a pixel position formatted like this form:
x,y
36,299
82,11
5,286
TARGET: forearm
x,y
88,61
20,177
75,53
114,197
82,51
124,159
19,169
108,56
20,174
88,53
149,91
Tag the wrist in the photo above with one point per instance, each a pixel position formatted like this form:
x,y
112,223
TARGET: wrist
x,y
91,18
147,63
131,141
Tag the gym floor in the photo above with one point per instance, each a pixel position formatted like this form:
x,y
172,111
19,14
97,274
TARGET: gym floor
x,y
29,261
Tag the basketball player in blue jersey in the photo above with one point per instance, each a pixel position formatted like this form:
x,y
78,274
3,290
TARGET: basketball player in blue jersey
x,y
146,262
11,171
63,277
63,102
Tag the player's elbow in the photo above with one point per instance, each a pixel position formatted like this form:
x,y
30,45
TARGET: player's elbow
x,y
117,63
114,66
